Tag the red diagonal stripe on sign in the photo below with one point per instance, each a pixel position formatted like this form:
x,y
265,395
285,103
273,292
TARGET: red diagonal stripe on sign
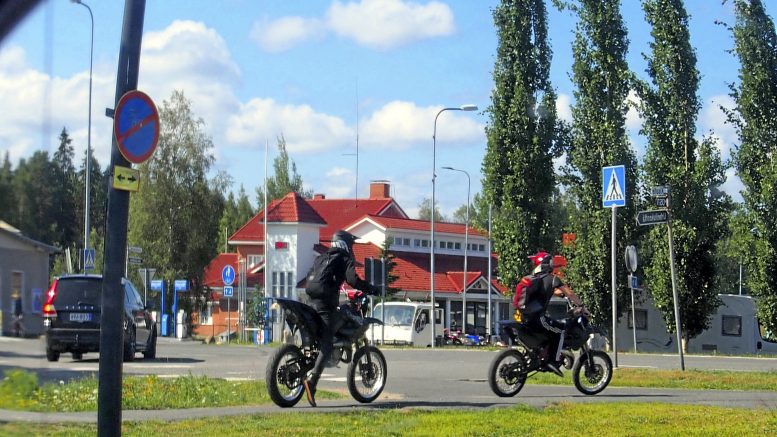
x,y
136,127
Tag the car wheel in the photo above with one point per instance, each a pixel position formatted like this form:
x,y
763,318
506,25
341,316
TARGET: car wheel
x,y
51,354
150,352
77,356
129,346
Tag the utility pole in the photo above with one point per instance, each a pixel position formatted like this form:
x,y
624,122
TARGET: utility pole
x,y
111,332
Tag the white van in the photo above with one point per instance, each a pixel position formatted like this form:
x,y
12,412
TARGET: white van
x,y
733,329
406,323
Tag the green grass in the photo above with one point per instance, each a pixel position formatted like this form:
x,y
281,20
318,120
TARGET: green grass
x,y
568,420
19,390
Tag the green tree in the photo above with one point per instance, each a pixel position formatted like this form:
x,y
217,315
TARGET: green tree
x,y
518,166
35,202
688,167
7,194
175,216
236,214
425,211
65,220
284,180
755,119
598,139
99,181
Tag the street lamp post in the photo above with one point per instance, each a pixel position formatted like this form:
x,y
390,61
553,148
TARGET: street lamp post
x,y
89,131
434,176
466,246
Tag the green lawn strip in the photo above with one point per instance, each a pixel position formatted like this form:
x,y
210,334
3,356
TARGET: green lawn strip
x,y
691,379
602,419
19,390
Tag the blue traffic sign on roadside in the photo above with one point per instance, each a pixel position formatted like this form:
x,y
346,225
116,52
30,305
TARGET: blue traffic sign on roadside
x,y
614,186
136,126
181,285
228,290
228,275
89,259
157,285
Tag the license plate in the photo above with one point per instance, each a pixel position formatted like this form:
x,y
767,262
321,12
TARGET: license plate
x,y
80,317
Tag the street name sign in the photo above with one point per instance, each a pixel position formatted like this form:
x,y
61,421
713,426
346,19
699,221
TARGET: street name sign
x,y
646,218
659,191
181,285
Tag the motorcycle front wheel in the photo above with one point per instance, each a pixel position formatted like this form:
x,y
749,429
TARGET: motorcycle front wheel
x,y
284,375
367,374
507,373
592,372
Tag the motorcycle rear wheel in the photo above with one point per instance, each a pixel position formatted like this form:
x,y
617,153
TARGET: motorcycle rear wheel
x,y
366,380
284,375
507,373
592,379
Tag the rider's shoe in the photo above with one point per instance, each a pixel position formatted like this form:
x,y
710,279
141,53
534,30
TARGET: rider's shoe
x,y
310,392
552,367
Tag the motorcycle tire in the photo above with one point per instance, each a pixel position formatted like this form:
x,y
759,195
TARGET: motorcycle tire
x,y
284,375
507,373
366,379
592,379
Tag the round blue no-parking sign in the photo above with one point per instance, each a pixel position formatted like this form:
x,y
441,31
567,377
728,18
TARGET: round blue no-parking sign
x,y
136,126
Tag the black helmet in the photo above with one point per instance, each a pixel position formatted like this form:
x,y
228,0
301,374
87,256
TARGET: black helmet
x,y
344,240
546,264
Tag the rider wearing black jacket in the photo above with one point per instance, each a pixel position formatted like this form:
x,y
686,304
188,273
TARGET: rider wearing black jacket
x,y
326,300
535,316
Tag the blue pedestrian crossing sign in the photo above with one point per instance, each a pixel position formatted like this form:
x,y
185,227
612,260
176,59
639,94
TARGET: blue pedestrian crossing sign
x,y
228,275
613,186
89,259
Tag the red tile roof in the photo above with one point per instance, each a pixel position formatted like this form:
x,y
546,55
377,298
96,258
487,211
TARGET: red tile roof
x,y
457,278
292,208
340,213
423,225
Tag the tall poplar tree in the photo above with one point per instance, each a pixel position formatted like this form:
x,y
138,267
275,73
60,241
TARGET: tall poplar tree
x,y
692,170
601,77
518,166
66,222
755,118
284,180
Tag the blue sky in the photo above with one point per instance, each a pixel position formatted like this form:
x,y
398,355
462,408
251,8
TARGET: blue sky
x,y
255,70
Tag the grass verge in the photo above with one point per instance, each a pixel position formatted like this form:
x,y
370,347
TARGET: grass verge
x,y
19,390
603,419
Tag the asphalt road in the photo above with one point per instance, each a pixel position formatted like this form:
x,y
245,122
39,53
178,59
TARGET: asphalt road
x,y
416,377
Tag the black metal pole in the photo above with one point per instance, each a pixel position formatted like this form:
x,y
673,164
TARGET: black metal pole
x,y
111,321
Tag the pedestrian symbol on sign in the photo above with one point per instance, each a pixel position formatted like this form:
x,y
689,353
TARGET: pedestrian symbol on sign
x,y
613,186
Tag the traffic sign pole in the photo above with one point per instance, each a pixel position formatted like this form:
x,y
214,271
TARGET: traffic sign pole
x,y
613,196
678,326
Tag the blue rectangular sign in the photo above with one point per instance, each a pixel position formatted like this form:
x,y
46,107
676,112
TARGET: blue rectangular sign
x,y
89,259
181,285
157,285
228,291
614,186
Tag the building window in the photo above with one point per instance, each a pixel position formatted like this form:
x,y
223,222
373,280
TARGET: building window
x,y
481,247
406,242
254,260
732,326
457,246
417,242
424,243
641,316
449,244
282,284
206,315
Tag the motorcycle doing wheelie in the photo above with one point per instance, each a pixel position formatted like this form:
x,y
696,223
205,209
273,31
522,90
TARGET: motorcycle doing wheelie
x,y
591,372
289,365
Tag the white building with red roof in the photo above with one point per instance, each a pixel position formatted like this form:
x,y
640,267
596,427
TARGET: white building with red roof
x,y
299,229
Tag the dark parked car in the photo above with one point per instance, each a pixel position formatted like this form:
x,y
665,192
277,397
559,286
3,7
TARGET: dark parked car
x,y
72,319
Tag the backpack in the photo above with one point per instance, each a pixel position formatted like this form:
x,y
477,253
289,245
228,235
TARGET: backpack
x,y
323,275
525,288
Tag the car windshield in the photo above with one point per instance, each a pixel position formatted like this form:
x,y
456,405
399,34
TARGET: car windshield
x,y
395,314
78,291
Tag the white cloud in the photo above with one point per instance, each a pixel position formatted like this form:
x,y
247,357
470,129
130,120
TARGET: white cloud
x,y
385,24
633,118
714,119
733,185
340,183
399,125
564,107
304,129
284,33
377,24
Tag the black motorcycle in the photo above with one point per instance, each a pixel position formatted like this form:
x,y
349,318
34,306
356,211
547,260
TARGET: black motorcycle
x,y
289,365
591,372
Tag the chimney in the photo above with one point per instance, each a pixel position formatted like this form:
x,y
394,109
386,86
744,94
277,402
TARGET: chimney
x,y
379,190
319,196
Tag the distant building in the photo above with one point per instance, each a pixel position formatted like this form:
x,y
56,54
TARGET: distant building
x,y
24,277
299,229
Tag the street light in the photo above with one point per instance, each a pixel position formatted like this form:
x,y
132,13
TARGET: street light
x,y
466,246
89,131
434,176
